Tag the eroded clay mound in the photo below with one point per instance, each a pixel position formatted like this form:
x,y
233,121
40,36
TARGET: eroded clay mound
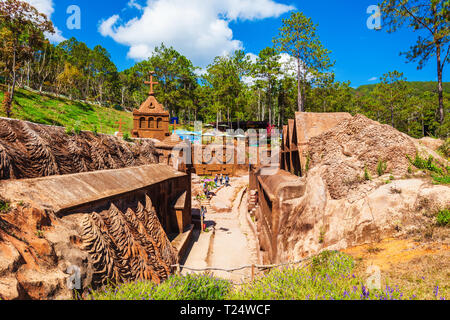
x,y
29,150
41,254
356,144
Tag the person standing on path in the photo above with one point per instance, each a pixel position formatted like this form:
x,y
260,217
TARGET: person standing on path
x,y
205,190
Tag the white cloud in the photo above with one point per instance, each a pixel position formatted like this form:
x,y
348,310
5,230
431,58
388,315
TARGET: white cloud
x,y
134,4
43,6
288,68
198,29
46,7
253,57
56,37
373,79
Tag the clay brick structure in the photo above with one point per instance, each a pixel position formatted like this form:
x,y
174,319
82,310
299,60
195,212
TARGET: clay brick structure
x,y
227,155
130,222
151,120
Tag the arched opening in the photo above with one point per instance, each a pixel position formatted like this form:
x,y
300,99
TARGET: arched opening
x,y
151,123
141,122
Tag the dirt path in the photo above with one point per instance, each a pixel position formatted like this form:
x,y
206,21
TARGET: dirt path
x,y
228,244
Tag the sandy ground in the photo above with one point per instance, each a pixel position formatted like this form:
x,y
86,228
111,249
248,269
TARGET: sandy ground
x,y
415,266
228,244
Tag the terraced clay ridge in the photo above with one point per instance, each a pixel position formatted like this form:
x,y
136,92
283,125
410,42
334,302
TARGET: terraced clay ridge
x,y
29,150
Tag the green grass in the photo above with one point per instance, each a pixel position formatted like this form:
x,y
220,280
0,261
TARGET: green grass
x,y
190,287
443,218
4,206
75,116
439,173
381,167
367,175
330,276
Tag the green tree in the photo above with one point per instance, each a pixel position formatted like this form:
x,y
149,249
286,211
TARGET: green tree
x,y
268,69
298,38
429,17
225,78
22,30
104,72
392,92
176,77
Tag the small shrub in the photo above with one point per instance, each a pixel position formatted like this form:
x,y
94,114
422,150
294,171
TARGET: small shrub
x,y
308,162
427,164
445,179
322,236
410,170
443,218
439,174
367,176
126,137
381,167
40,234
4,206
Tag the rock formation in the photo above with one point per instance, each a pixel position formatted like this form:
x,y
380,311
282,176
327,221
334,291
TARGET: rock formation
x,y
356,145
339,208
342,201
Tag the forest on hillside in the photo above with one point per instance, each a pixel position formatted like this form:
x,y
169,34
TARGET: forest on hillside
x,y
283,79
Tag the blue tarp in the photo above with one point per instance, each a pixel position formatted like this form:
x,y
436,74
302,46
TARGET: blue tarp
x,y
189,135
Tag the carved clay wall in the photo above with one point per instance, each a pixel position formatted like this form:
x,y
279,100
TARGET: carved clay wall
x,y
120,221
275,193
113,225
29,150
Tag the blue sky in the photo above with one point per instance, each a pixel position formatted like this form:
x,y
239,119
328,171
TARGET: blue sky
x,y
129,29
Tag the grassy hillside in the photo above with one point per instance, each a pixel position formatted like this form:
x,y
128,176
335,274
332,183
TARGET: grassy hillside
x,y
51,110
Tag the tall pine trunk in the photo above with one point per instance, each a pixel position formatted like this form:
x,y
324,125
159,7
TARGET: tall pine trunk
x,y
299,88
440,88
